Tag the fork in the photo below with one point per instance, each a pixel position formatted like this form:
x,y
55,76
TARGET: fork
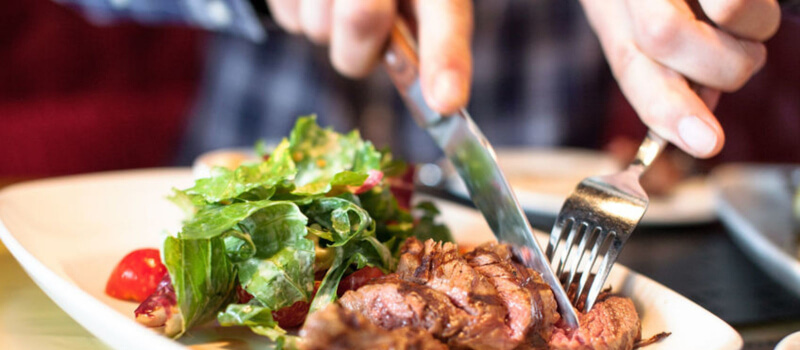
x,y
599,217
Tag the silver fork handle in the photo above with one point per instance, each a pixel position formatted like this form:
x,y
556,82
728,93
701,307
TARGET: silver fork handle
x,y
653,145
648,151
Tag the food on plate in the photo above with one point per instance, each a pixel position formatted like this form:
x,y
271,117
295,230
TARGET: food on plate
x,y
258,238
480,300
136,276
319,234
336,328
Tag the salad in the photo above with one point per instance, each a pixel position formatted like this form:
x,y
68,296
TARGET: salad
x,y
269,242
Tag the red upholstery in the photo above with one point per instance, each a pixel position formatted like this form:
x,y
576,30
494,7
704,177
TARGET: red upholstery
x,y
79,98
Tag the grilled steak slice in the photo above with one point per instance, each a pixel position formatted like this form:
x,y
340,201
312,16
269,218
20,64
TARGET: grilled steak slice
x,y
337,328
531,307
392,303
611,324
440,267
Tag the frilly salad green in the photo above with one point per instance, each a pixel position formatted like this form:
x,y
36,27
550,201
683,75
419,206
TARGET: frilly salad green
x,y
320,204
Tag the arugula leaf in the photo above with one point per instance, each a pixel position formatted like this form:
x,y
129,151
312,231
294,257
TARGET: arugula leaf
x,y
283,278
260,321
225,183
281,271
320,154
213,220
202,276
367,252
275,226
238,245
342,218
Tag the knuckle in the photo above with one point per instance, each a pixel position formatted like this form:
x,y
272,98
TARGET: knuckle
x,y
364,16
316,33
658,35
749,65
346,65
725,11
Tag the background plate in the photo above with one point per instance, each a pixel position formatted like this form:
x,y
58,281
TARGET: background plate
x,y
755,203
68,233
543,178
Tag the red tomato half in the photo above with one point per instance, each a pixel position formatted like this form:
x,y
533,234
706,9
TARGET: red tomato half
x,y
136,276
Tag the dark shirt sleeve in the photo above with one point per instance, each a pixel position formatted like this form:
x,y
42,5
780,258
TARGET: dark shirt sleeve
x,y
233,16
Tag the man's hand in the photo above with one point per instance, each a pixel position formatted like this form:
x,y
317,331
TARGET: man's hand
x,y
654,46
357,31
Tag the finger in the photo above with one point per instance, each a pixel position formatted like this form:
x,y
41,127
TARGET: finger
x,y
315,18
445,30
358,34
750,19
286,14
666,103
667,31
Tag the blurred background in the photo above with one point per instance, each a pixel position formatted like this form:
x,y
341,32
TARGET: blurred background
x,y
124,84
85,89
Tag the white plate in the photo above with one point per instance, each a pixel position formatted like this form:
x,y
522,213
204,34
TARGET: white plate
x,y
68,233
543,178
755,203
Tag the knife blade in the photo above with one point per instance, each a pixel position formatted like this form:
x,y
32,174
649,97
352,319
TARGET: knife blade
x,y
473,157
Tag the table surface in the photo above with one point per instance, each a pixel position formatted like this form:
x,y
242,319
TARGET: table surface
x,y
700,262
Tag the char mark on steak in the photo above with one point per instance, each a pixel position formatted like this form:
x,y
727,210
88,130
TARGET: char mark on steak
x,y
485,300
529,302
336,328
392,303
440,267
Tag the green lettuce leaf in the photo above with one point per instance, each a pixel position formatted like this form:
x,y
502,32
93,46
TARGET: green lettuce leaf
x,y
226,184
283,278
213,220
320,154
275,226
260,321
281,271
202,276
272,225
366,252
238,245
342,218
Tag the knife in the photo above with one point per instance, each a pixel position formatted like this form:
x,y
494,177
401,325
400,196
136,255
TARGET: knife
x,y
475,160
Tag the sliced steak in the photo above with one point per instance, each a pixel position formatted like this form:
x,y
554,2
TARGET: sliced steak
x,y
392,303
337,328
611,324
440,267
531,307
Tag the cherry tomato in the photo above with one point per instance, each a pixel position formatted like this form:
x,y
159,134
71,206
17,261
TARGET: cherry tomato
x,y
358,279
294,315
136,276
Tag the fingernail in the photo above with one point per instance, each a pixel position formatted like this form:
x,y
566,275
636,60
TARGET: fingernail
x,y
448,89
697,134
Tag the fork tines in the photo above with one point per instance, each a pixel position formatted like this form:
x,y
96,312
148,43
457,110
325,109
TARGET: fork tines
x,y
579,249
